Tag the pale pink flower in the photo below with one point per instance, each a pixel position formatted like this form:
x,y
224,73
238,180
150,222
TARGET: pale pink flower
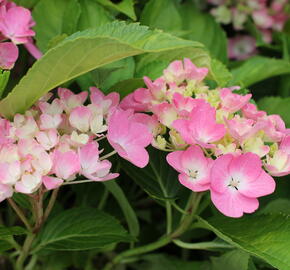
x,y
71,100
262,19
29,183
91,166
50,121
128,137
65,164
237,182
140,100
5,131
193,166
279,164
6,191
48,139
26,126
51,182
200,128
106,103
18,30
53,108
250,111
9,172
232,102
8,55
274,128
80,118
166,113
157,89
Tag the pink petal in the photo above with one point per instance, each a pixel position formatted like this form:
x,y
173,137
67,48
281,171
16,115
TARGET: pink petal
x,y
194,185
174,160
233,204
51,182
8,55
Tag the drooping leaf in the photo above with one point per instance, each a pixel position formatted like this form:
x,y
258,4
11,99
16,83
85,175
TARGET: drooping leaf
x,y
264,236
124,204
53,18
8,231
81,229
258,68
83,52
92,15
277,206
125,6
276,105
4,77
220,73
158,179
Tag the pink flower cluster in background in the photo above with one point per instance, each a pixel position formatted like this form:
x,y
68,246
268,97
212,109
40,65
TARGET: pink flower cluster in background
x,y
15,25
268,16
218,139
55,142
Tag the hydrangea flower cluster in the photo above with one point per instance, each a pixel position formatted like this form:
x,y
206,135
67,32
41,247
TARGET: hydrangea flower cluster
x,y
268,16
54,142
218,139
17,31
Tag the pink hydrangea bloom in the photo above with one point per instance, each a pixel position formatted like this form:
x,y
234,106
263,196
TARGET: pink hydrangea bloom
x,y
92,167
193,166
241,47
237,182
250,111
70,100
8,55
128,137
6,191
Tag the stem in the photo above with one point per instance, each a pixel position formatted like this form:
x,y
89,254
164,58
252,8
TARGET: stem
x,y
202,245
101,138
38,200
178,208
25,251
168,218
50,204
108,155
20,214
184,225
103,199
77,182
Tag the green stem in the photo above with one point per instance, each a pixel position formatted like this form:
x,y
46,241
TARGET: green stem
x,y
25,251
103,199
163,241
168,218
202,245
50,204
20,214
108,155
77,182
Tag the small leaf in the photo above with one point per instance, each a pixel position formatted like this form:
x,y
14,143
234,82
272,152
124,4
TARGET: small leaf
x,y
4,77
125,6
8,231
220,73
81,229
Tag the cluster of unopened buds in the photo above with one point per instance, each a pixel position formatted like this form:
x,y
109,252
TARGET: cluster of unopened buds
x,y
268,16
17,31
217,139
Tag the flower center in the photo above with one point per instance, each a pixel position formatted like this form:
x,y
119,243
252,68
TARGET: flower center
x,y
193,174
234,183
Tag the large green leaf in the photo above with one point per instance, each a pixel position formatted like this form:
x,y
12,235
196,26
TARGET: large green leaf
x,y
53,18
81,229
234,260
125,6
124,204
276,105
265,236
259,68
85,51
158,179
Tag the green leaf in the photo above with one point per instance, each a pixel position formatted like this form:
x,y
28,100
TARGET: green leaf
x,y
127,86
276,105
259,68
83,52
220,73
167,262
162,14
5,245
26,3
127,209
8,231
4,77
81,229
264,236
92,15
125,6
234,260
108,75
277,206
158,179
53,18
